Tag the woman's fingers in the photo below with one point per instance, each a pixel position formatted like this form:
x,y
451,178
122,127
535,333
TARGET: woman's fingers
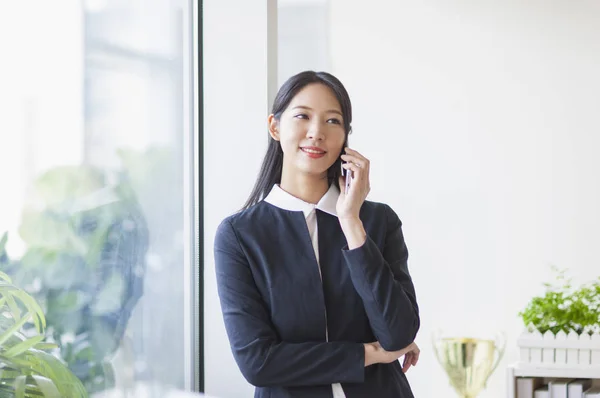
x,y
352,166
414,353
415,358
360,161
411,355
409,348
408,360
358,173
352,152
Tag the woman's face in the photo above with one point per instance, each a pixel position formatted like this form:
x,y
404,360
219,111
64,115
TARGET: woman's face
x,y
311,131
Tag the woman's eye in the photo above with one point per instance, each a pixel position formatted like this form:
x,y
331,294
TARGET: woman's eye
x,y
301,116
334,121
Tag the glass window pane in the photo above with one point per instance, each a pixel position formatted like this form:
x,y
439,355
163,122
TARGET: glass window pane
x,y
93,217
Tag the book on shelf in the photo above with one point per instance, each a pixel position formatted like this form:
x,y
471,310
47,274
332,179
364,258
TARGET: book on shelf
x,y
549,387
559,388
527,385
593,392
577,387
541,392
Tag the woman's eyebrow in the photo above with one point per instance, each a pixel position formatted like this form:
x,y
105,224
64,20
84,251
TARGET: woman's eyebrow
x,y
310,109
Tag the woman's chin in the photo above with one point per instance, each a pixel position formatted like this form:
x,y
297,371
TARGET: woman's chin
x,y
314,167
313,171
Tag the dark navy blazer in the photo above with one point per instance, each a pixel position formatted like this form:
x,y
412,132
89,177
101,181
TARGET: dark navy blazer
x,y
276,307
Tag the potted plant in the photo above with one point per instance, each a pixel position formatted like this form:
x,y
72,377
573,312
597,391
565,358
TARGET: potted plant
x,y
27,369
562,325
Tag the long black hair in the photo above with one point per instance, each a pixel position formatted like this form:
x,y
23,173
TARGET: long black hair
x,y
270,171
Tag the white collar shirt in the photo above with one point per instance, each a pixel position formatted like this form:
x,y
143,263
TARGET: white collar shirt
x,y
284,200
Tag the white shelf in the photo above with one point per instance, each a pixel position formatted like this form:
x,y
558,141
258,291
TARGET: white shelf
x,y
518,370
557,372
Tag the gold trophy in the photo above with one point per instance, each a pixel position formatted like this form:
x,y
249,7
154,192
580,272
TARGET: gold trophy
x,y
469,362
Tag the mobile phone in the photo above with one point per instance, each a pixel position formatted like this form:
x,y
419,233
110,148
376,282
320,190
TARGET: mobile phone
x,y
345,173
348,175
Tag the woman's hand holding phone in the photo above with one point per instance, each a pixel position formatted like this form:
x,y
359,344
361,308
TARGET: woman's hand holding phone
x,y
349,203
357,169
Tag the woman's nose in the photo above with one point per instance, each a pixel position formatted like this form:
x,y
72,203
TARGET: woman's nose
x,y
315,131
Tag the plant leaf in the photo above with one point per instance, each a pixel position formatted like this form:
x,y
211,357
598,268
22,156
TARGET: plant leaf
x,y
15,328
23,346
20,383
7,373
14,308
49,366
3,241
32,306
47,386
2,274
16,363
46,346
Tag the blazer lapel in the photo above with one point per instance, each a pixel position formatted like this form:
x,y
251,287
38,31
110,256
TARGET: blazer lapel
x,y
299,274
337,287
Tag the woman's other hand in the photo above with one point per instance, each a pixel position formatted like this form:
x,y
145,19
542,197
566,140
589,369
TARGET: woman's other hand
x,y
374,353
411,357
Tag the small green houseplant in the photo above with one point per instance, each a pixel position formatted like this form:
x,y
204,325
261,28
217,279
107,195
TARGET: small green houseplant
x,y
27,369
564,307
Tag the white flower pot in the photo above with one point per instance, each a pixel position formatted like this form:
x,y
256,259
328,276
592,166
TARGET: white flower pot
x,y
561,351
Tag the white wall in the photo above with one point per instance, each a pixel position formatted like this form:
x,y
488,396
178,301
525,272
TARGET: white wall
x,y
302,37
481,120
237,63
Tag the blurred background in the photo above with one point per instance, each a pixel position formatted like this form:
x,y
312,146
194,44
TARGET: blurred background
x,y
479,119
96,215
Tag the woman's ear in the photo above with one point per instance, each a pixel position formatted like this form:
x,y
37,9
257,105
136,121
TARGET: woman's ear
x,y
273,127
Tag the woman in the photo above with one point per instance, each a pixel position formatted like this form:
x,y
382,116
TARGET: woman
x,y
313,282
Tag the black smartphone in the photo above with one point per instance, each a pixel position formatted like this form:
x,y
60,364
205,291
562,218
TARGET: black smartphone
x,y
347,174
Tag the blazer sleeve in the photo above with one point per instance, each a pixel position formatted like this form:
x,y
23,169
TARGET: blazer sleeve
x,y
262,357
383,282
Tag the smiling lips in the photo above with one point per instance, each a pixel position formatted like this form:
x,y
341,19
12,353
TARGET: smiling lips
x,y
313,152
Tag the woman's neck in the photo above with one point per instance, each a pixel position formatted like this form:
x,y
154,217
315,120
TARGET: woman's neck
x,y
309,188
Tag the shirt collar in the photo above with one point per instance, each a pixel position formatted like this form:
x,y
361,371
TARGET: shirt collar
x,y
284,200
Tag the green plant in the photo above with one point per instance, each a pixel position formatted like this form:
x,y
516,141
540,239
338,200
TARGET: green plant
x,y
565,308
85,244
26,368
85,236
